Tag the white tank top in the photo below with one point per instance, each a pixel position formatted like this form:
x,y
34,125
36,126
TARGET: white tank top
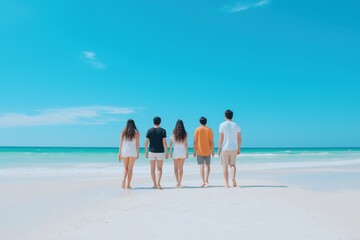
x,y
128,148
179,147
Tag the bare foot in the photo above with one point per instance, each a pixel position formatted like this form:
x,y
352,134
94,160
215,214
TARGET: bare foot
x,y
178,185
159,187
234,183
154,187
129,187
203,185
227,186
123,185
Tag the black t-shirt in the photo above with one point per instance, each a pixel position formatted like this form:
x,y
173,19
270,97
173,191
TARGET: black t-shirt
x,y
156,135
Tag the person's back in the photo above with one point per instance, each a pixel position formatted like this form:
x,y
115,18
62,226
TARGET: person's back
x,y
229,146
156,136
230,130
203,149
204,136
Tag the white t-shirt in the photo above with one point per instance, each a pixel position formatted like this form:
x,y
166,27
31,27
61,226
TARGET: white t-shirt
x,y
230,131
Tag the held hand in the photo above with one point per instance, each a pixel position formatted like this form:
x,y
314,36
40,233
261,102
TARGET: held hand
x,y
187,155
166,156
147,155
171,155
119,157
194,154
238,152
137,156
219,153
213,154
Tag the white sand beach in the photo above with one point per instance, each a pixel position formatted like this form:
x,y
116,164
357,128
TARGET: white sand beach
x,y
268,204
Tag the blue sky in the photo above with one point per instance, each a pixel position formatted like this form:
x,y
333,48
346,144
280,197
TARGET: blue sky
x,y
72,72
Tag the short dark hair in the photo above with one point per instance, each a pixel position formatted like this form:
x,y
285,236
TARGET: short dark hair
x,y
157,120
203,120
229,114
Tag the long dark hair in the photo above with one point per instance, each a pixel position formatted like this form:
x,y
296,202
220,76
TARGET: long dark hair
x,y
179,131
129,130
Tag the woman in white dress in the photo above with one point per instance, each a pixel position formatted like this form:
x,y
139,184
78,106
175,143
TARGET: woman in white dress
x,y
178,140
129,151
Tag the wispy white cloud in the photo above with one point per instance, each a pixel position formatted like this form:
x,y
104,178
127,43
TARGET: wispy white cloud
x,y
262,3
65,116
244,5
90,57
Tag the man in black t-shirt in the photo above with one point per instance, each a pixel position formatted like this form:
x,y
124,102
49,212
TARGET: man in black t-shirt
x,y
156,136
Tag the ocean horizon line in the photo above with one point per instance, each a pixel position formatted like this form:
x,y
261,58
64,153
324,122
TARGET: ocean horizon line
x,y
92,147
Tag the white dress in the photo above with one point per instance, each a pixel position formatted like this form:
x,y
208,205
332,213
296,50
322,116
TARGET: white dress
x,y
128,148
179,148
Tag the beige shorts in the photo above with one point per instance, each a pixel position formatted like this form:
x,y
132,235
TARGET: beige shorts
x,y
228,157
156,156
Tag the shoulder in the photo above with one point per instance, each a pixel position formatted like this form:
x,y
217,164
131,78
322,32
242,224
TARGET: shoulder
x,y
149,131
222,124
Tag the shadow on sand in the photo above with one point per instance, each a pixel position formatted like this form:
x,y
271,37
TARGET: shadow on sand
x,y
210,186
183,187
264,186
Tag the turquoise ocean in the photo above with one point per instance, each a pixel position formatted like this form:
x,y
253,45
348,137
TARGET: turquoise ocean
x,y
84,161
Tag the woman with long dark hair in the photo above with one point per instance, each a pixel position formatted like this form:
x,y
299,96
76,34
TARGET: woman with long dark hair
x,y
178,140
129,150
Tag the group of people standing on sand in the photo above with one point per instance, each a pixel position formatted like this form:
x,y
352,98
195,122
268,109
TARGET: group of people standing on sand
x,y
156,149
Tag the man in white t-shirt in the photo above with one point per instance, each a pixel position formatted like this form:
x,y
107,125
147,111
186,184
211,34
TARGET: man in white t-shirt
x,y
229,146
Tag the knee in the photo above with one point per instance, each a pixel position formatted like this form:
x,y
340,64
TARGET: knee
x,y
159,169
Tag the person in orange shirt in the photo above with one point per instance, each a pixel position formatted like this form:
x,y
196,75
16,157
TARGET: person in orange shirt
x,y
204,149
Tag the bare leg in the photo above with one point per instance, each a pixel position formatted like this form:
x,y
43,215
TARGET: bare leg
x,y
233,170
126,167
159,164
153,176
226,176
176,171
202,173
181,170
207,173
130,171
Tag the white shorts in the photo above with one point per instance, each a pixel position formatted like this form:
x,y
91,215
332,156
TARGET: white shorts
x,y
156,156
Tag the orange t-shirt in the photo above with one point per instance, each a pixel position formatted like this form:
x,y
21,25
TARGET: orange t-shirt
x,y
203,137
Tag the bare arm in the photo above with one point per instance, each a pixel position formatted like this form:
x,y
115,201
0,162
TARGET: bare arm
x,y
165,148
186,146
171,145
212,147
137,137
194,147
239,142
120,146
221,139
147,147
